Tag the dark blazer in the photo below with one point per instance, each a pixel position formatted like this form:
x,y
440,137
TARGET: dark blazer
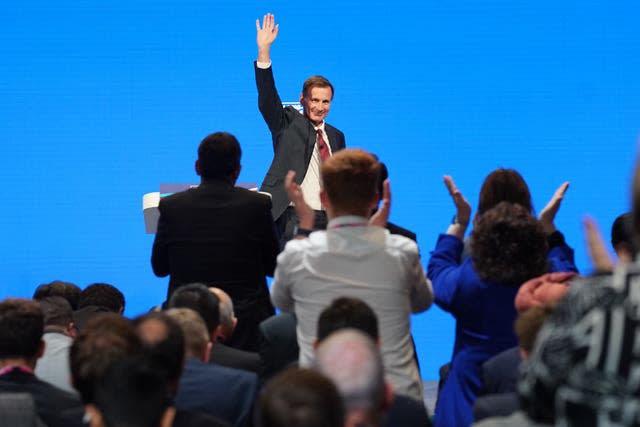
x,y
223,355
293,136
55,407
406,412
500,373
278,344
495,405
223,236
223,392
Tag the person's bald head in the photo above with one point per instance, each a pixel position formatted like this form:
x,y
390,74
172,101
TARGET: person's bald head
x,y
228,319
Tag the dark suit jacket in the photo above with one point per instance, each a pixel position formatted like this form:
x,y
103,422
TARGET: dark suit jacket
x,y
278,344
500,373
223,392
293,136
220,235
56,407
406,412
223,355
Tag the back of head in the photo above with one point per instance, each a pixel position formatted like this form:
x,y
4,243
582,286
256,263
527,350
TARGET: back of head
x,y
197,297
508,245
66,290
105,339
194,331
57,311
504,185
345,313
102,295
350,178
21,328
219,156
622,235
163,339
227,315
299,398
353,362
131,394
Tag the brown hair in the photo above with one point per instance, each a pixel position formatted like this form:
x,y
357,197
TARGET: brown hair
x,y
350,178
316,81
504,185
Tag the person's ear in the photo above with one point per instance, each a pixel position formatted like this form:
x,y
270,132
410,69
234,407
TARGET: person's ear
x,y
207,352
95,416
315,344
41,348
324,199
197,167
389,395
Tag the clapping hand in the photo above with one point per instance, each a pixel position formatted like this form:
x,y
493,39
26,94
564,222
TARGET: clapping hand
x,y
548,213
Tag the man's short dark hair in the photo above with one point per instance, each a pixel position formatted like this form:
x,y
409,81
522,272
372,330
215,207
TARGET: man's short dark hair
x,y
197,297
508,245
622,231
219,155
105,339
347,312
66,290
316,81
102,295
131,393
165,344
57,311
21,328
302,398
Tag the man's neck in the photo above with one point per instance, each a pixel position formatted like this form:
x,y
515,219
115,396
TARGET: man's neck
x,y
20,362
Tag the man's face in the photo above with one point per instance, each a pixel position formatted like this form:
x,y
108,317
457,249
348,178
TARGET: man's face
x,y
317,103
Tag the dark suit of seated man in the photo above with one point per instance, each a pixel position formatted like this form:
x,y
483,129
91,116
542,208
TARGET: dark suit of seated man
x,y
221,235
223,392
21,329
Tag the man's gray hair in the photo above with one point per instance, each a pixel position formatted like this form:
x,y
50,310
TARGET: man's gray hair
x,y
353,362
226,307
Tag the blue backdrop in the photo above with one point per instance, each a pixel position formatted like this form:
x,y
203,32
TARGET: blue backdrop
x,y
100,102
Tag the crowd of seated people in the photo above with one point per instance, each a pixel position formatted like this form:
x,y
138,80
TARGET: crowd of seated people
x,y
535,343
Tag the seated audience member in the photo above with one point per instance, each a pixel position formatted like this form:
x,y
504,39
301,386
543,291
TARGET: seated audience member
x,y
206,303
21,329
106,339
354,258
508,247
58,288
96,299
220,235
59,332
300,398
223,392
164,342
131,393
278,345
506,401
352,313
221,353
352,361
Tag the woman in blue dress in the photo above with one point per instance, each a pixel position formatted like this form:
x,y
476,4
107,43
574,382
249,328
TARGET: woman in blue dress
x,y
508,246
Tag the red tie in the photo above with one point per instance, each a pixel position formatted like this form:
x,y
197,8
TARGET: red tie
x,y
322,146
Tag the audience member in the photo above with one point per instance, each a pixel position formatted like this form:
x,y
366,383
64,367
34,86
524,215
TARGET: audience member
x,y
130,394
508,247
622,237
220,235
357,259
352,313
163,339
221,353
59,332
223,392
300,398
21,329
106,339
58,288
102,295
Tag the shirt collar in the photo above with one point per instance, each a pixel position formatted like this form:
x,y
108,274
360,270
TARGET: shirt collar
x,y
347,220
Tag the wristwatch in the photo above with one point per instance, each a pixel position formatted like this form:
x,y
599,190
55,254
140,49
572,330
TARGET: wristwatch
x,y
304,232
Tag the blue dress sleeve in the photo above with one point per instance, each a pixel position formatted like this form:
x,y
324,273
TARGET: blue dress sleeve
x,y
444,270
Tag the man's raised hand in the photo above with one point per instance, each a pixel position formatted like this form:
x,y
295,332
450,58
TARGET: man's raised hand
x,y
265,36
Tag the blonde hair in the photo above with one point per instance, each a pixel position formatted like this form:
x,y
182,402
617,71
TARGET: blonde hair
x,y
196,336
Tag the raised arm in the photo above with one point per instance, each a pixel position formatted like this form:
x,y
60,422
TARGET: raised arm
x,y
463,209
266,35
548,213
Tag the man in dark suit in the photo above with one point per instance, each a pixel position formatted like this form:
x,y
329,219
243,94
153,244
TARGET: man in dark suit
x,y
221,235
21,329
300,141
